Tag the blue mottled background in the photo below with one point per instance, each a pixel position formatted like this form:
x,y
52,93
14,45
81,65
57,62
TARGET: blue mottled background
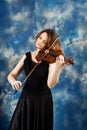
x,y
20,21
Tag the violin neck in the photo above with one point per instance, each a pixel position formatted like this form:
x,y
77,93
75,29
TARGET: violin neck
x,y
53,53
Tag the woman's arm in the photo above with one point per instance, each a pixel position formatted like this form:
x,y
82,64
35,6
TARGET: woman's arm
x,y
15,72
55,71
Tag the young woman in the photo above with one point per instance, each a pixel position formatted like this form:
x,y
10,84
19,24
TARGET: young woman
x,y
34,109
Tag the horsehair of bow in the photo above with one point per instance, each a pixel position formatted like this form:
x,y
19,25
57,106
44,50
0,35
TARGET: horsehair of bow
x,y
39,61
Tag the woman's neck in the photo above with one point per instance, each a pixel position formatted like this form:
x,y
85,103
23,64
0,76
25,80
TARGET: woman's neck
x,y
36,51
34,54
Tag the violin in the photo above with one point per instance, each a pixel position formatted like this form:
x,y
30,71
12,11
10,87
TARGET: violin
x,y
50,56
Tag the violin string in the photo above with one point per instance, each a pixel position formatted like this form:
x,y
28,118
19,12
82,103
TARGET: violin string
x,y
39,61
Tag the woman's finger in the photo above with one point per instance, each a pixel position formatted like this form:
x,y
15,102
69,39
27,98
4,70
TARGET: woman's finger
x,y
60,59
17,85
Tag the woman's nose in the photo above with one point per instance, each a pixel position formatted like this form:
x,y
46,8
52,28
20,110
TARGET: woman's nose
x,y
41,41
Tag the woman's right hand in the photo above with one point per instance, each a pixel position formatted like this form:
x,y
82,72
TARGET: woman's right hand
x,y
16,85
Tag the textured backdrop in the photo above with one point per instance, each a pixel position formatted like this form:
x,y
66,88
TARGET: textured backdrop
x,y
20,21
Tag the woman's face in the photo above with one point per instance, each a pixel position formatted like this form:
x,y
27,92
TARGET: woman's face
x,y
41,41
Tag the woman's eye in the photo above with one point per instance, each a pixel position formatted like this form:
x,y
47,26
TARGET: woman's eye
x,y
40,37
44,41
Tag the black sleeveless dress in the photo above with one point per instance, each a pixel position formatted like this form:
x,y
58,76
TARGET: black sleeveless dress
x,y
34,109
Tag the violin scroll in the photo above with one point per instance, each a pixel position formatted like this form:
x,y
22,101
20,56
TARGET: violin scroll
x,y
69,61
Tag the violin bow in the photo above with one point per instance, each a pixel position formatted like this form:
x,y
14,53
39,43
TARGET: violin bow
x,y
39,61
47,51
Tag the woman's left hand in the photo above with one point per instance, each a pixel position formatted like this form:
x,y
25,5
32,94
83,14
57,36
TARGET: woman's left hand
x,y
60,60
55,71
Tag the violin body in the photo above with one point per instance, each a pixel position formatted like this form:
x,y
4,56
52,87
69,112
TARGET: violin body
x,y
46,57
50,56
